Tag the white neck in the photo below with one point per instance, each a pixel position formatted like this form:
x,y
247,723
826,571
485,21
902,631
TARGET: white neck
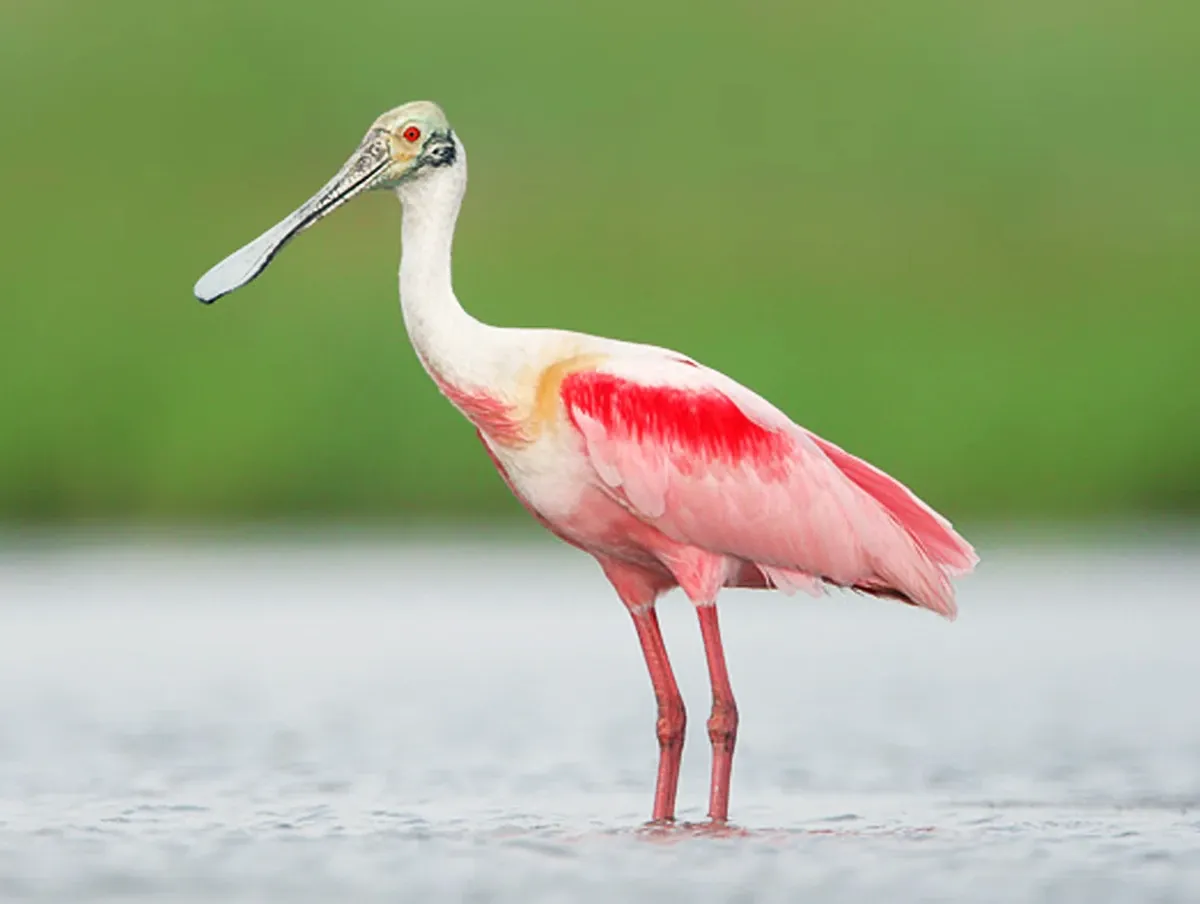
x,y
440,329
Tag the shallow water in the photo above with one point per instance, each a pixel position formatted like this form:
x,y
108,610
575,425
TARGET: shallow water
x,y
375,721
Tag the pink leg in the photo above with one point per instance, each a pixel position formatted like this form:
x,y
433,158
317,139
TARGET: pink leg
x,y
723,723
671,715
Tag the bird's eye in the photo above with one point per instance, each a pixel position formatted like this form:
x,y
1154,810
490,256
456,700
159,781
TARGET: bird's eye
x,y
411,134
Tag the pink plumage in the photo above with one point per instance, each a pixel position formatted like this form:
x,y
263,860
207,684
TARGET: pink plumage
x,y
728,482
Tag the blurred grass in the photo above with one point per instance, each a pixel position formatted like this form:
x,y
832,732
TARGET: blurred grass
x,y
958,239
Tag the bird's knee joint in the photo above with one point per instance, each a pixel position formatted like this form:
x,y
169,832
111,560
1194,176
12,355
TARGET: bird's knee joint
x,y
723,724
724,737
672,722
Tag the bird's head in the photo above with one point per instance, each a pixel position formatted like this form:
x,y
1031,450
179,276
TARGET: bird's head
x,y
403,146
411,140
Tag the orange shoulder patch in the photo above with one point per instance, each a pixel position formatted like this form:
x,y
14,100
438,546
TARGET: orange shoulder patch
x,y
546,395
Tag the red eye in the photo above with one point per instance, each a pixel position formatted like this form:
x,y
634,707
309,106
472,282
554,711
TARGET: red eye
x,y
412,133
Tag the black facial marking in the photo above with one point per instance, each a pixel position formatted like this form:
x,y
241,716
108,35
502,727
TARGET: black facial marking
x,y
440,151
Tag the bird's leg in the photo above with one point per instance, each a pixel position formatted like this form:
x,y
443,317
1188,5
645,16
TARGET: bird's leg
x,y
722,724
672,719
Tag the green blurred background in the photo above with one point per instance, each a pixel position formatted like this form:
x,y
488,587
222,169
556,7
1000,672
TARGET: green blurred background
x,y
958,239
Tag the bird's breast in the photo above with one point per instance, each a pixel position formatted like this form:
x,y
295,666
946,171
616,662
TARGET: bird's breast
x,y
495,417
518,403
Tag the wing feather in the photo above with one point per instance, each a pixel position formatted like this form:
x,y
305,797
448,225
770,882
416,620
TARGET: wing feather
x,y
713,465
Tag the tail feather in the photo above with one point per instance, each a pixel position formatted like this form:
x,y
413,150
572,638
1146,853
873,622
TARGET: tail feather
x,y
936,537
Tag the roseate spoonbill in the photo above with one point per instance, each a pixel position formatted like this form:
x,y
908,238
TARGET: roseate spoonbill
x,y
668,473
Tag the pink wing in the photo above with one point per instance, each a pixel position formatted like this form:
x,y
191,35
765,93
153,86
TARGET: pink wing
x,y
712,465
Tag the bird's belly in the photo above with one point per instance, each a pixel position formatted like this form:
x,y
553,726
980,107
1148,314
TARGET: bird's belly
x,y
600,525
560,492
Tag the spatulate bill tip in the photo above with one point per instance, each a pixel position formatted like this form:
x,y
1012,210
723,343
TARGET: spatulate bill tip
x,y
231,274
207,294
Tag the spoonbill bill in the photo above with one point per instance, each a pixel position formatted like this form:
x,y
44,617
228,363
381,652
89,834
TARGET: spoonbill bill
x,y
667,472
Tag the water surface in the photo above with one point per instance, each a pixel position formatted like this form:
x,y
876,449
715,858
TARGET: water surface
x,y
394,721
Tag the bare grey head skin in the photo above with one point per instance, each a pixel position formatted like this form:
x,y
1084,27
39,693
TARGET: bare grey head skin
x,y
402,147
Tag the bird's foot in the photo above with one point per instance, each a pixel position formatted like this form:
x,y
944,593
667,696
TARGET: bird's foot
x,y
671,830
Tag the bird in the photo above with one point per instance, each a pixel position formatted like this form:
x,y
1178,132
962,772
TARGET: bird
x,y
669,473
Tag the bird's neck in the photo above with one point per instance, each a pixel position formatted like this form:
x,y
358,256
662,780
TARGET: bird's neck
x,y
441,331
